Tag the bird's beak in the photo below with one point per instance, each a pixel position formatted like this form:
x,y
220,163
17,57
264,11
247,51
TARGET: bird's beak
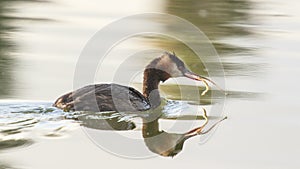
x,y
194,76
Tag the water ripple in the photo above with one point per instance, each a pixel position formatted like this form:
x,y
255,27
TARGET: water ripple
x,y
20,122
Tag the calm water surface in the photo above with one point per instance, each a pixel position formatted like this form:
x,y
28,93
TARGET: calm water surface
x,y
40,42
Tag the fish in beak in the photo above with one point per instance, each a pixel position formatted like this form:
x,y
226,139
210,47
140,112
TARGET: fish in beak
x,y
187,73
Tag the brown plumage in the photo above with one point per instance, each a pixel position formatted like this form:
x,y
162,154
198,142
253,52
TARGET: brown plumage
x,y
103,97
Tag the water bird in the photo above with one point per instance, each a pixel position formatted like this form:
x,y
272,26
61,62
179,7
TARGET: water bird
x,y
119,98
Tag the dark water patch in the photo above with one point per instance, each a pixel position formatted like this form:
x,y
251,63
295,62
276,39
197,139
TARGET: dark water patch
x,y
37,110
219,20
8,45
14,143
249,69
212,16
4,165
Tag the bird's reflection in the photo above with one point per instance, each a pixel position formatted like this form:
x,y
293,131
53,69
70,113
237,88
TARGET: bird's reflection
x,y
157,141
104,121
161,142
169,144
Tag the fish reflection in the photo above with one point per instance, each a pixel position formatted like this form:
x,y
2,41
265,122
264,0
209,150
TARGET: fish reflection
x,y
157,141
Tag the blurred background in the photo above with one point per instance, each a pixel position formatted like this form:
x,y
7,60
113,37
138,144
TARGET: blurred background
x,y
42,40
257,41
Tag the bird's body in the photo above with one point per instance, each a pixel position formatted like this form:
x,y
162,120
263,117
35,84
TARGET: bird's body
x,y
108,97
114,97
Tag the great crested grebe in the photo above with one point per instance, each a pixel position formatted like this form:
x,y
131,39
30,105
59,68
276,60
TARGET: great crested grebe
x,y
114,97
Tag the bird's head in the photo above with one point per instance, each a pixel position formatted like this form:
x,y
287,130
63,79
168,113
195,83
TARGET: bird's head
x,y
170,66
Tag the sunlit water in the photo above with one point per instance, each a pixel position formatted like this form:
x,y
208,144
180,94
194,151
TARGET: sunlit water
x,y
257,42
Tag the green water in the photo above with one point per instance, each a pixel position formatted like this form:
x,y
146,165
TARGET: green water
x,y
257,42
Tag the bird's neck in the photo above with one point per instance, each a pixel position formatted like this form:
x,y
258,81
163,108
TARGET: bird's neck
x,y
150,128
150,87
